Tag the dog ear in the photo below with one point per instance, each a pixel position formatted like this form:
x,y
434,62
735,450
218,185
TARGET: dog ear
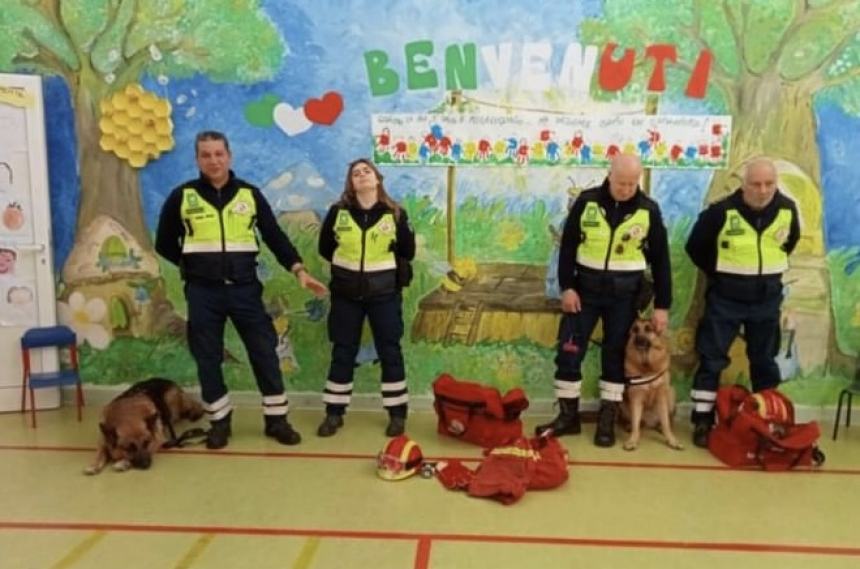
x,y
152,422
109,434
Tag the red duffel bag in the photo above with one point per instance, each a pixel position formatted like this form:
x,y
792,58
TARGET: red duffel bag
x,y
758,430
476,413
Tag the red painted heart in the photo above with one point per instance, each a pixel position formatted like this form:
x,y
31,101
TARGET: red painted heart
x,y
325,110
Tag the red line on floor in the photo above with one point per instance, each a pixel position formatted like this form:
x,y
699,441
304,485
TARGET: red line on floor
x,y
422,554
466,459
428,537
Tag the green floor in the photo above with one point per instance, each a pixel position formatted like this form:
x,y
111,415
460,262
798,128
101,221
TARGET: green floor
x,y
320,505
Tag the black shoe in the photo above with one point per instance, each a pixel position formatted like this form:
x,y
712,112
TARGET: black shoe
x,y
219,433
330,425
566,423
604,436
396,426
701,433
279,429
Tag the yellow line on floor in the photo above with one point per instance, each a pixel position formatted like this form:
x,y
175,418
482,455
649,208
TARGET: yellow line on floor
x,y
194,552
307,554
79,550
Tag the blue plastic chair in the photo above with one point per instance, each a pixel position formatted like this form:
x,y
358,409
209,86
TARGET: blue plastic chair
x,y
54,336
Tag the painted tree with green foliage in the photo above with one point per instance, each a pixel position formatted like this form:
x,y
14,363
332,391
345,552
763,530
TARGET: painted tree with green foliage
x,y
100,46
770,59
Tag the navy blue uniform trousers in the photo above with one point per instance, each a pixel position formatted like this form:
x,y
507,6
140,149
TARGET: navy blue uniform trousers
x,y
209,306
345,322
617,313
718,328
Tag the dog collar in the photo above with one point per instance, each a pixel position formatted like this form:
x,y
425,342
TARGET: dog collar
x,y
644,380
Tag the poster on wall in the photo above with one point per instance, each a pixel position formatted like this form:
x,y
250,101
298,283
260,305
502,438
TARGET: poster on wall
x,y
15,199
543,139
18,304
17,287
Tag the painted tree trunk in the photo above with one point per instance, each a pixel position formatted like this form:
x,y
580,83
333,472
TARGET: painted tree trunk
x,y
774,118
109,185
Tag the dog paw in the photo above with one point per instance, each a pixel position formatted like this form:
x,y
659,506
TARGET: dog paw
x,y
92,469
675,445
631,445
121,466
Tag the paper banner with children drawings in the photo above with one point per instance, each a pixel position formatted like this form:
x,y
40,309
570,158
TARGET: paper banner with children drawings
x,y
538,139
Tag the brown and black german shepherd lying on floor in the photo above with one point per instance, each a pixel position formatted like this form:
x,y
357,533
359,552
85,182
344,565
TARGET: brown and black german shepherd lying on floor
x,y
137,423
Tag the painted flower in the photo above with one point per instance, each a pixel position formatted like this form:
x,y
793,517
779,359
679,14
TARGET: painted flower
x,y
85,317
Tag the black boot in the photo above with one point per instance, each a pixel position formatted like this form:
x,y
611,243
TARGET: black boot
x,y
702,425
279,429
604,436
219,432
396,426
566,423
330,425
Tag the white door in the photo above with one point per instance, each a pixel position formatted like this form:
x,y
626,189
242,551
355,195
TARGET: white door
x,y
27,296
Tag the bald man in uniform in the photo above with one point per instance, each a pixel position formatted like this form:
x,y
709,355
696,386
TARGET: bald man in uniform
x,y
612,234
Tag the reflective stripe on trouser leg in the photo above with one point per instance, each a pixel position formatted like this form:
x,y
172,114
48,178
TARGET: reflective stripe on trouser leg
x,y
337,394
703,401
275,404
394,393
611,391
567,389
219,409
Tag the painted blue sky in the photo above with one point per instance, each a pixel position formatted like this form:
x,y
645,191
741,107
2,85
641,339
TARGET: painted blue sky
x,y
325,51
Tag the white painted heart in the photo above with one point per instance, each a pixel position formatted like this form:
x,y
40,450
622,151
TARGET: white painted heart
x,y
291,121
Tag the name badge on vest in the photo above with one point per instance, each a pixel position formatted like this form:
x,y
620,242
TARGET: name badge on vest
x,y
735,226
591,218
342,223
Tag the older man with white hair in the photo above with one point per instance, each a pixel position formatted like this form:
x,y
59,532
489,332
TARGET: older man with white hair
x,y
742,244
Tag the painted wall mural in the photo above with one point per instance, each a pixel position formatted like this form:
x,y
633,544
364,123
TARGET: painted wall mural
x,y
300,86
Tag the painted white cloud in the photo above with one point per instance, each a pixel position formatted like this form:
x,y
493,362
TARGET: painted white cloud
x,y
296,201
281,181
316,182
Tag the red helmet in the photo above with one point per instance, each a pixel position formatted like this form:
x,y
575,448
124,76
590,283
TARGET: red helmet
x,y
771,406
400,458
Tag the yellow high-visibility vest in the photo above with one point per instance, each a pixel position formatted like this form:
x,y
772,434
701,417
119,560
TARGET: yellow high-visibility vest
x,y
604,249
741,250
370,250
209,231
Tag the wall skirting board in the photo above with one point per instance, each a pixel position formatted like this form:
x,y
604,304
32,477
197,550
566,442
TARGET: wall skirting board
x,y
99,395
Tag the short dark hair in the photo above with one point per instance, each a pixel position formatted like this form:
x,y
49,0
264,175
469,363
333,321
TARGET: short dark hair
x,y
210,135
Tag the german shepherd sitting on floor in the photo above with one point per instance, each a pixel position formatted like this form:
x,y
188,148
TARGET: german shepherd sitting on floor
x,y
649,399
138,422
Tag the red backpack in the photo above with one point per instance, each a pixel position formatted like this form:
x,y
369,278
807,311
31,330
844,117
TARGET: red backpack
x,y
476,413
758,430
